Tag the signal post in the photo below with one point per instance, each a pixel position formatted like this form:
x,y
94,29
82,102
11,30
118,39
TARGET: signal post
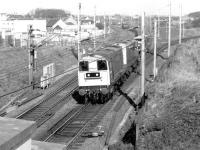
x,y
31,49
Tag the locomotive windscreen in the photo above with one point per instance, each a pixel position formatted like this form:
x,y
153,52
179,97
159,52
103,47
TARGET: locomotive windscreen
x,y
101,65
83,66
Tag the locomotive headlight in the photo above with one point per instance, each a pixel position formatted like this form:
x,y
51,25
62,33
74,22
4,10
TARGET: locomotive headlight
x,y
93,74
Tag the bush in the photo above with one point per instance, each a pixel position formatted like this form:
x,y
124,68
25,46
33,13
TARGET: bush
x,y
100,26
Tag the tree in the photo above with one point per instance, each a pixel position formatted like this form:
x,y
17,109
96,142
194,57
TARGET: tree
x,y
100,26
196,23
194,14
49,13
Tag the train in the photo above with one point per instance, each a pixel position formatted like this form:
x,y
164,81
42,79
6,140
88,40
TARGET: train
x,y
101,72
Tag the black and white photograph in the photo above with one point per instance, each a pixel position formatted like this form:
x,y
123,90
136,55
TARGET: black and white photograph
x,y
100,75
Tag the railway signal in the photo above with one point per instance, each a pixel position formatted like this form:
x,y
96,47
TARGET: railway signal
x,y
31,49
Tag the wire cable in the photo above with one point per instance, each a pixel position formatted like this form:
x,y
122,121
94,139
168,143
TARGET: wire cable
x,y
37,83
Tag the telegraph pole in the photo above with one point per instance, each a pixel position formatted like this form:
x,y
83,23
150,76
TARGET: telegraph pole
x,y
121,20
150,25
180,24
141,95
14,40
143,55
79,32
104,18
109,23
94,27
183,28
158,25
155,47
169,32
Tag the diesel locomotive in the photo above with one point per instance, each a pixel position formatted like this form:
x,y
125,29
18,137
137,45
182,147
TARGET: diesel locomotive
x,y
104,70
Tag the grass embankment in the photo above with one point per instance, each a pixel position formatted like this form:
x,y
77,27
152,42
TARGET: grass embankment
x,y
172,121
13,76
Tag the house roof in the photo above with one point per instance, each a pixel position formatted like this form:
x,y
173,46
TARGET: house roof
x,y
57,28
87,21
69,23
51,22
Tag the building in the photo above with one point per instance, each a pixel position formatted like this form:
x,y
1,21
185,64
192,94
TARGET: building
x,y
59,26
87,21
3,16
70,21
50,24
18,30
68,28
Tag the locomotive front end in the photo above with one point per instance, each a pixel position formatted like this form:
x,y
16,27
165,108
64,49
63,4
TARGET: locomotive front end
x,y
93,78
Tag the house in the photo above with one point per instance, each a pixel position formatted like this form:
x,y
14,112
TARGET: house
x,y
56,25
87,21
22,25
6,28
15,17
18,29
3,16
50,24
59,26
70,21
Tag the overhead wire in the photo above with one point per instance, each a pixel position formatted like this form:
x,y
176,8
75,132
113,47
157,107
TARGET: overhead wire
x,y
26,67
21,70
37,83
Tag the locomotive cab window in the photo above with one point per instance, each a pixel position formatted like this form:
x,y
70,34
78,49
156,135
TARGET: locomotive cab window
x,y
101,65
83,66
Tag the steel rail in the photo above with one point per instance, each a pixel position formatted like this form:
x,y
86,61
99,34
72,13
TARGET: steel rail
x,y
43,110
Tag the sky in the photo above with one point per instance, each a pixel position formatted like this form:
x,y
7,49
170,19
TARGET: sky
x,y
126,7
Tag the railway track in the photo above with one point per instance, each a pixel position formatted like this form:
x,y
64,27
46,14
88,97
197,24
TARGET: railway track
x,y
75,127
47,100
48,105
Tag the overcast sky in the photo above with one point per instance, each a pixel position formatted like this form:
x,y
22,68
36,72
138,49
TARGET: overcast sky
x,y
128,7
